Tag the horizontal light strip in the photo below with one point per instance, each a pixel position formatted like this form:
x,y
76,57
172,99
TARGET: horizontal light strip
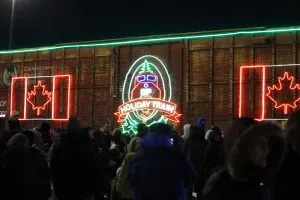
x,y
41,119
151,40
275,119
21,77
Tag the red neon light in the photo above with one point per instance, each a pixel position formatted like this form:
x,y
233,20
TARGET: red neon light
x,y
33,93
241,93
172,116
278,105
25,104
53,98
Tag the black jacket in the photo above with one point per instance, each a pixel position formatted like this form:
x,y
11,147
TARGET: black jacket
x,y
288,179
74,168
222,186
24,175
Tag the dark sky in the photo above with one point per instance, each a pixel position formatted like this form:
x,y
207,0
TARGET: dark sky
x,y
46,22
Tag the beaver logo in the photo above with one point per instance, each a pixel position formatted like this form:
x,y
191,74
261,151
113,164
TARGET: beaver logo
x,y
146,95
10,71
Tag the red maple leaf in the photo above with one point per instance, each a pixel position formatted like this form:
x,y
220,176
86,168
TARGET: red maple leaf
x,y
292,87
44,97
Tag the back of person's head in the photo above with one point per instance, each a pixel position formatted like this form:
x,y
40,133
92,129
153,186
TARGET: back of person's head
x,y
18,141
161,128
45,127
235,129
73,125
258,152
89,131
142,130
216,130
116,135
14,124
197,133
201,122
30,136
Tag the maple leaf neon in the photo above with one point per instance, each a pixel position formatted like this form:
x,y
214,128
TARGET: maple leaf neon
x,y
292,87
44,93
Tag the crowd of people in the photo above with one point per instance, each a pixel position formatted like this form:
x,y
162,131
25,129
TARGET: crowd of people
x,y
250,160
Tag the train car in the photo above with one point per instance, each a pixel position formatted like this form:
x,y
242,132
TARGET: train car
x,y
219,75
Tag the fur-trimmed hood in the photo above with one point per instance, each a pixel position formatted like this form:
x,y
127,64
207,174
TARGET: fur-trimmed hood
x,y
264,143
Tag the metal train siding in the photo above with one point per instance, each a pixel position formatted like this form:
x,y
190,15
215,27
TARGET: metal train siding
x,y
204,69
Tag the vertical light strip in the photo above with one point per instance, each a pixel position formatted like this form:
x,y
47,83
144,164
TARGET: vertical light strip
x,y
263,93
11,94
53,96
69,96
240,95
25,99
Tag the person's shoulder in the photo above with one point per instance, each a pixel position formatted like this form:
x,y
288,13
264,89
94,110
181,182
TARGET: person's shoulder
x,y
217,182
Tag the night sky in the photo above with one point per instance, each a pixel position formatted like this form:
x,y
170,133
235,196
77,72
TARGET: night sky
x,y
46,22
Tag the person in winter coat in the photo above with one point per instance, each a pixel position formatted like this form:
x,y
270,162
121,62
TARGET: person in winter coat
x,y
123,186
234,131
44,131
24,171
253,162
73,165
213,157
288,180
160,171
194,148
11,127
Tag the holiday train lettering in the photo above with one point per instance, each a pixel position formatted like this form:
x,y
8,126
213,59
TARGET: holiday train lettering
x,y
152,104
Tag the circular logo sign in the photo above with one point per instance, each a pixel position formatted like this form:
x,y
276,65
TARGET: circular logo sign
x,y
10,71
146,95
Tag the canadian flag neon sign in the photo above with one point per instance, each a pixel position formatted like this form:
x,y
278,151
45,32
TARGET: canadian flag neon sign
x,y
271,96
41,97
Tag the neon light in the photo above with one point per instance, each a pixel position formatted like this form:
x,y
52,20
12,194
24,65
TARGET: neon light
x,y
11,96
25,103
146,66
54,79
33,93
263,93
53,93
69,96
266,90
292,87
166,107
154,39
241,90
143,99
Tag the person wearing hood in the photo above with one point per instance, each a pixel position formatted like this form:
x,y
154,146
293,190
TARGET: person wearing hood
x,y
186,132
123,186
73,164
253,162
194,148
234,131
24,171
160,171
288,179
213,157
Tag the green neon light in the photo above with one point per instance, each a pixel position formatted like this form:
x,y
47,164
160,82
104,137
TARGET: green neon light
x,y
130,124
163,82
151,40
